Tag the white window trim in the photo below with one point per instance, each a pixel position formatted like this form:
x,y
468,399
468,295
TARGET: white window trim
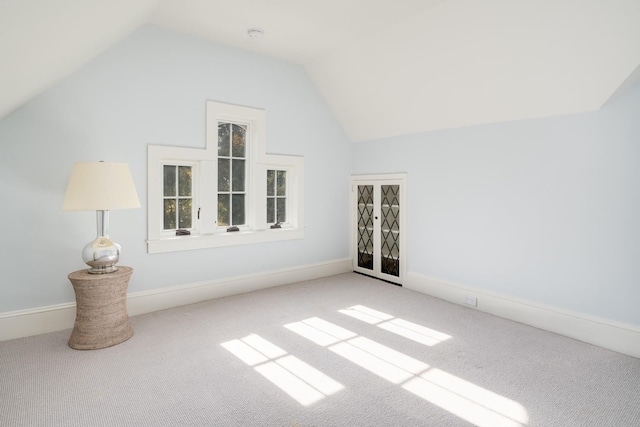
x,y
295,185
205,233
194,196
275,195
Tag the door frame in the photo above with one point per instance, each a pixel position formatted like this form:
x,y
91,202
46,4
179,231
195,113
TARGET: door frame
x,y
379,179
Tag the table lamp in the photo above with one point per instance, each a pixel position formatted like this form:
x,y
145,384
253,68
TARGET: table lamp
x,y
100,186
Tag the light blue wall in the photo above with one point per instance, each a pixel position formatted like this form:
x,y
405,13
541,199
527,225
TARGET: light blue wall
x,y
151,89
547,210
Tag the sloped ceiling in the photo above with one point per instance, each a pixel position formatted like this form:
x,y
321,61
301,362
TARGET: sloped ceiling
x,y
43,41
385,67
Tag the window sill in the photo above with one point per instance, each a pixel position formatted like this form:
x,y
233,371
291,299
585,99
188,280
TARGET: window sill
x,y
203,241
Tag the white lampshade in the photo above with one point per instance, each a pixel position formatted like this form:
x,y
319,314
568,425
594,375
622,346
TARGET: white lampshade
x,y
98,186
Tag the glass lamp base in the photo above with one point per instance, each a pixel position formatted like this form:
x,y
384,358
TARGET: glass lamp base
x,y
101,255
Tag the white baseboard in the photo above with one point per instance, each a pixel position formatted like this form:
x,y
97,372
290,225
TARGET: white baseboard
x,y
610,334
24,323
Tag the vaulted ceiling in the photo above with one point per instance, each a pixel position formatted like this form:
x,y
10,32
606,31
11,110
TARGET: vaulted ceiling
x,y
385,67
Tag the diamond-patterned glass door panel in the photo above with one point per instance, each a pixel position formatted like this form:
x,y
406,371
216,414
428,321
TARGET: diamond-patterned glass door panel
x,y
390,230
365,226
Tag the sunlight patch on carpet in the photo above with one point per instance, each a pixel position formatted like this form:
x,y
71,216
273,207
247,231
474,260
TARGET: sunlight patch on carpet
x,y
319,331
477,405
301,381
404,328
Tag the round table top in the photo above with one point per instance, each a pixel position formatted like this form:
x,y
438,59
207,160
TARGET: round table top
x,y
85,275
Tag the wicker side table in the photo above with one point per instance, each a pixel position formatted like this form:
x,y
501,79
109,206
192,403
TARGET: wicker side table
x,y
101,309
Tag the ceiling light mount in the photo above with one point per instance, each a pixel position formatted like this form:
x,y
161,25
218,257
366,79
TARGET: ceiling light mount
x,y
255,33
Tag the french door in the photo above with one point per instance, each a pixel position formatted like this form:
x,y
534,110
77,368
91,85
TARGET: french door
x,y
379,226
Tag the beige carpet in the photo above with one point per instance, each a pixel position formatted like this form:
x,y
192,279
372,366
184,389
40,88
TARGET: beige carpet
x,y
341,351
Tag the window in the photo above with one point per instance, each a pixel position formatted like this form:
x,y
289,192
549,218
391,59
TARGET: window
x,y
223,187
177,197
232,142
276,196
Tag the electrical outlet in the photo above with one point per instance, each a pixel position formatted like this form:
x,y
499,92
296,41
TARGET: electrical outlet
x,y
472,301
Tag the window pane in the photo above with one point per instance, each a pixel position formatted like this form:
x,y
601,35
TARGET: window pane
x,y
169,181
184,213
365,226
271,184
169,214
237,211
223,209
282,209
282,183
239,140
223,139
271,210
389,232
224,174
238,175
184,181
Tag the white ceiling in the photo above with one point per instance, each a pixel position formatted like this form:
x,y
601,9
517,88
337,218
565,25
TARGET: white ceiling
x,y
300,31
385,67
